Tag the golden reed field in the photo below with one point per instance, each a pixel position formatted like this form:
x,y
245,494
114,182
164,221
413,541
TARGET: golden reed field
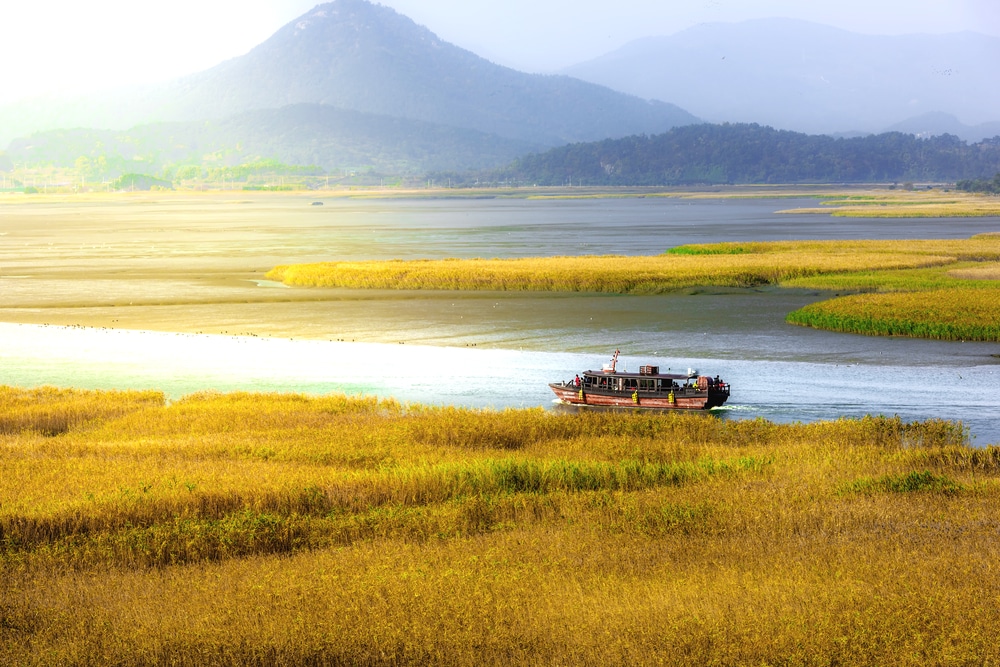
x,y
944,289
250,529
923,204
284,529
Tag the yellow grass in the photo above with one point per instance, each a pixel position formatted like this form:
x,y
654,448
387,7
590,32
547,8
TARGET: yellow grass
x,y
988,272
901,204
283,529
51,411
959,293
632,275
725,264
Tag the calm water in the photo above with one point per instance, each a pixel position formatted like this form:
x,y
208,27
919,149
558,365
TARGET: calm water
x,y
494,350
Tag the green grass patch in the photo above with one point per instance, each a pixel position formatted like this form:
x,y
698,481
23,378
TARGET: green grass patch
x,y
911,482
955,313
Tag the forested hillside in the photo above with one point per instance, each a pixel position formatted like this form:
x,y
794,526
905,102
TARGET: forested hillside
x,y
302,134
751,153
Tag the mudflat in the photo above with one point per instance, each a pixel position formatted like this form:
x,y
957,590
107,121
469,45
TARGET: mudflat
x,y
196,262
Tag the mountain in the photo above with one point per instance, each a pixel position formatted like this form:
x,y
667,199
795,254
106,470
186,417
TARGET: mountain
x,y
363,57
938,123
751,153
808,77
300,134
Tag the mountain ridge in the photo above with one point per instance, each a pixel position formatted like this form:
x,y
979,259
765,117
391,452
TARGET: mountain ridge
x,y
936,123
839,81
364,57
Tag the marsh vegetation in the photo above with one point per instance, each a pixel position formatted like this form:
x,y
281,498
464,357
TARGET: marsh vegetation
x,y
942,289
909,204
289,529
285,529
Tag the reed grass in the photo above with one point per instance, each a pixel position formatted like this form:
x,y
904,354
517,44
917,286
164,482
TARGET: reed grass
x,y
620,275
956,300
922,204
987,272
945,314
286,529
51,411
981,247
720,264
957,278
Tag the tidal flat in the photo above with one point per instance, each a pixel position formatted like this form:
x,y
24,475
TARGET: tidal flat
x,y
196,262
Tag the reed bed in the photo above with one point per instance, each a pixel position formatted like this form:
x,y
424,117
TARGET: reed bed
x,y
719,264
608,274
945,314
933,204
286,529
987,272
51,411
958,300
981,247
957,278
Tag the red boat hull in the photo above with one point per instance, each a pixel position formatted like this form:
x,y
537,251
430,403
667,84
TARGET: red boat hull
x,y
681,400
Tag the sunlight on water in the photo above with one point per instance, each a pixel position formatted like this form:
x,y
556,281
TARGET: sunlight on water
x,y
180,364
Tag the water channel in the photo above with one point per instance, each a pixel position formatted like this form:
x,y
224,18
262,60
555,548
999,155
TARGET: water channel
x,y
170,294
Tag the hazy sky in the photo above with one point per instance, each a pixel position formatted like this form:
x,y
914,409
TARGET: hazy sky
x,y
65,46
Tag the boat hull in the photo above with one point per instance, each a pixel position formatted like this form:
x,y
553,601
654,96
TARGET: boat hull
x,y
683,400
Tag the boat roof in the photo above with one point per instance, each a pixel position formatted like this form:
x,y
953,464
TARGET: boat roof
x,y
624,374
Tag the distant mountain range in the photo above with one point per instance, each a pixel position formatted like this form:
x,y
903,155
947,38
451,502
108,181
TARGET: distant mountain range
x,y
938,123
801,76
355,85
355,56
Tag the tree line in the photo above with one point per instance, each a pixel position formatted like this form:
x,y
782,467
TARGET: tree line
x,y
986,186
751,153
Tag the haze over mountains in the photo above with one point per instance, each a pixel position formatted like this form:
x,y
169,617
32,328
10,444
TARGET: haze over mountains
x,y
356,56
806,77
352,84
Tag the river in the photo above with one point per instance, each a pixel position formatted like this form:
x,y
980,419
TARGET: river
x,y
169,294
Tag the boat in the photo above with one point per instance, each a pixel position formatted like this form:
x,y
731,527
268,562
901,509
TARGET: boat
x,y
649,388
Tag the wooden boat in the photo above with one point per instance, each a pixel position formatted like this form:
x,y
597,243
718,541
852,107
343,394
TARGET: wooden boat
x,y
649,388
